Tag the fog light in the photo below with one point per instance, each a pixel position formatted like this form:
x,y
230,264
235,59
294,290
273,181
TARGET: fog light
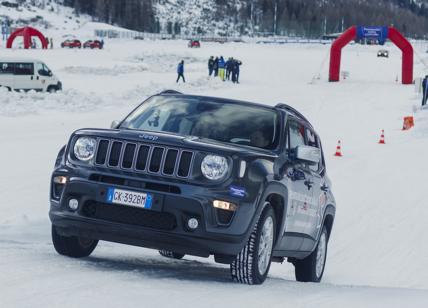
x,y
193,223
73,204
223,205
60,179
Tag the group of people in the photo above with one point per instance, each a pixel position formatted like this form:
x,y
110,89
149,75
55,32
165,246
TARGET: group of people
x,y
226,70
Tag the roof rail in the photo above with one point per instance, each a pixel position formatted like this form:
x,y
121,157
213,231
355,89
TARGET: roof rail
x,y
169,92
292,110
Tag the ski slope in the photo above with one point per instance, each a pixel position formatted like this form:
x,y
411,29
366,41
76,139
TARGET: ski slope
x,y
377,254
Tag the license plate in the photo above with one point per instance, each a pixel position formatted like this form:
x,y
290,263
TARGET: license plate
x,y
130,198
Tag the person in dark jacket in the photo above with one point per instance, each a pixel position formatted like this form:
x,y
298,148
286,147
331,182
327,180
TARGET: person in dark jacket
x,y
228,66
424,90
236,70
210,66
215,67
180,71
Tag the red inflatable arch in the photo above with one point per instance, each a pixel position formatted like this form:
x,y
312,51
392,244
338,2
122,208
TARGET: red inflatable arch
x,y
380,33
27,33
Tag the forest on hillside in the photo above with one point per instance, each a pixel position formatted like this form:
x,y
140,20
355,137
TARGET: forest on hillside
x,y
309,18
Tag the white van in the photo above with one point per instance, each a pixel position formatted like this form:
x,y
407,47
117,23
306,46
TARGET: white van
x,y
27,74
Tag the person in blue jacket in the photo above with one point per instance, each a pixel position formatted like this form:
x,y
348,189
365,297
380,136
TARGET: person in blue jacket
x,y
180,71
221,68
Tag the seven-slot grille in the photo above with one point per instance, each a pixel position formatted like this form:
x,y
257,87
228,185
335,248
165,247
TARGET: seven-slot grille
x,y
142,157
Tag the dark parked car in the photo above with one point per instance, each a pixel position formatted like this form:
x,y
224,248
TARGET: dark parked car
x,y
383,53
203,176
194,44
71,44
93,44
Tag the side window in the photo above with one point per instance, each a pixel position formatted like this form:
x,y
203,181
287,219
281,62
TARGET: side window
x,y
296,134
6,68
42,69
24,69
312,140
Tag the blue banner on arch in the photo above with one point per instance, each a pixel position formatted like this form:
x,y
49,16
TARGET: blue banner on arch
x,y
375,33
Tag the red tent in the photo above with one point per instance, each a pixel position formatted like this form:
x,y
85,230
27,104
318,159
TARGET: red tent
x,y
27,33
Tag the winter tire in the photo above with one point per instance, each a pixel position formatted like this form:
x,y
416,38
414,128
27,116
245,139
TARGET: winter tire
x,y
73,246
252,264
170,254
311,269
52,89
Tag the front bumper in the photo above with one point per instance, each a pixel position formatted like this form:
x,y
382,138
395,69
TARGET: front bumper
x,y
162,227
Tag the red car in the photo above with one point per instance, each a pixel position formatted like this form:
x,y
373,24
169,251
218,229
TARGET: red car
x,y
71,44
93,44
194,44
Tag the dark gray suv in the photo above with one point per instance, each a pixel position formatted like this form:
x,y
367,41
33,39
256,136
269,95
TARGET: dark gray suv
x,y
202,176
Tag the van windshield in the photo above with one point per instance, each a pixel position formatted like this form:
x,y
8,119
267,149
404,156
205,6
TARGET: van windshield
x,y
207,118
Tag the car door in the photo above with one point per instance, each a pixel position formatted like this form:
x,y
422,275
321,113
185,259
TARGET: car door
x,y
42,76
24,76
297,178
314,210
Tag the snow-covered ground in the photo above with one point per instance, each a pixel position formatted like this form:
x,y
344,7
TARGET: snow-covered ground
x,y
377,254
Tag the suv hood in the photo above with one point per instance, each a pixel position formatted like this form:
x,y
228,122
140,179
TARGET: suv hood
x,y
169,139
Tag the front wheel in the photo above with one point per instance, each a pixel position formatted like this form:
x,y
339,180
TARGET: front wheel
x,y
311,269
52,89
252,264
72,246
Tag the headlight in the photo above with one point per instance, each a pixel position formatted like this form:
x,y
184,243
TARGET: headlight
x,y
214,167
84,148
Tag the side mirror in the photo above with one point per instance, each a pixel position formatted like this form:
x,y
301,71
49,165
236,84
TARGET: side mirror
x,y
311,155
50,73
114,124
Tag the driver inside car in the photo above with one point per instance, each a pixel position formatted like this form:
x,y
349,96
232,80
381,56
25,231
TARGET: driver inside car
x,y
258,139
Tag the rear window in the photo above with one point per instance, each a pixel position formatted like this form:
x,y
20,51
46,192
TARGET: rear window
x,y
24,69
6,68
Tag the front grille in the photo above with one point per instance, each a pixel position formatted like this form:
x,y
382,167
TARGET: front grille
x,y
152,159
130,215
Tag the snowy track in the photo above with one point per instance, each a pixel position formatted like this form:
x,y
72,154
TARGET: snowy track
x,y
377,257
121,276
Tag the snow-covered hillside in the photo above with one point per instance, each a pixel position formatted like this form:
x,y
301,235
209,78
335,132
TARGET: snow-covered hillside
x,y
377,256
198,17
48,16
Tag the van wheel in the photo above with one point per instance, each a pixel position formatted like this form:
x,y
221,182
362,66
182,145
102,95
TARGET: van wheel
x,y
171,254
311,269
252,264
72,246
52,89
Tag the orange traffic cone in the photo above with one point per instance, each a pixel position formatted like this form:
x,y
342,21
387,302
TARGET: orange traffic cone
x,y
408,123
382,137
338,149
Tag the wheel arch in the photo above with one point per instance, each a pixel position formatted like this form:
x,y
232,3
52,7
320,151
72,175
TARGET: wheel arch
x,y
277,196
328,220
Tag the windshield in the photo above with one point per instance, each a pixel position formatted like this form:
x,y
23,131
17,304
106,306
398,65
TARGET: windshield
x,y
207,118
